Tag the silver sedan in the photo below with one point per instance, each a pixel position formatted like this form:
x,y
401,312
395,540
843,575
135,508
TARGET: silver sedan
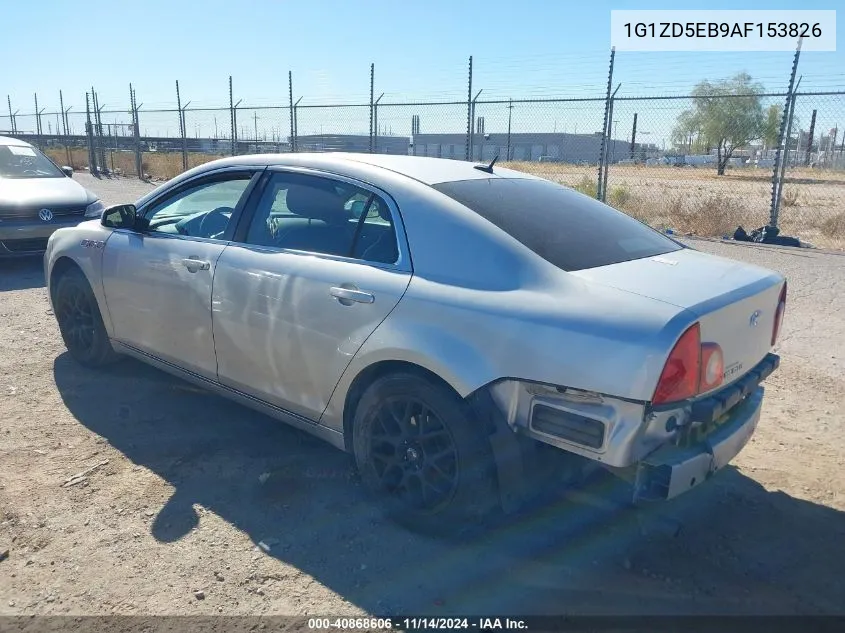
x,y
464,330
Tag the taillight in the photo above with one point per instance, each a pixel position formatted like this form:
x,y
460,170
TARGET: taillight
x,y
779,314
712,366
682,371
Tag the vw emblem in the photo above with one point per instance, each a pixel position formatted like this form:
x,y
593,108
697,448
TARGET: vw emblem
x,y
755,317
45,215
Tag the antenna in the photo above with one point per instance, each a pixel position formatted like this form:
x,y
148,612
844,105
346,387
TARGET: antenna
x,y
487,168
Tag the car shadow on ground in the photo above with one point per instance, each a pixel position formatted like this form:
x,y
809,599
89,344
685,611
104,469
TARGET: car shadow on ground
x,y
22,273
742,549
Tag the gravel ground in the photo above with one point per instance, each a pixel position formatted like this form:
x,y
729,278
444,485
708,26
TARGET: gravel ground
x,y
173,501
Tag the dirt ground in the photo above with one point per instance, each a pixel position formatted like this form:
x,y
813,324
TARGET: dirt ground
x,y
186,492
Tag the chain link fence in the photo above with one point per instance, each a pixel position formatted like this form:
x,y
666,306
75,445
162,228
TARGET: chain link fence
x,y
813,200
692,164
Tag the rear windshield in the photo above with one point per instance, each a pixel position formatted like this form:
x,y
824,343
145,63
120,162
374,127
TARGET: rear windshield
x,y
564,227
22,161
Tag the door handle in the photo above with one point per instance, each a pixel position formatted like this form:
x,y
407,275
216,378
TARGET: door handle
x,y
348,296
193,264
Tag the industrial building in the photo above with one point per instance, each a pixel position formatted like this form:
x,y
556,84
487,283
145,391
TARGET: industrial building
x,y
529,146
359,143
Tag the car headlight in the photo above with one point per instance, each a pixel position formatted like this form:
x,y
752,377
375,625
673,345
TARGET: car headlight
x,y
95,209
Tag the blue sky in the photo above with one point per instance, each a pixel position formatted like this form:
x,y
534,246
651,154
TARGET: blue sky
x,y
521,49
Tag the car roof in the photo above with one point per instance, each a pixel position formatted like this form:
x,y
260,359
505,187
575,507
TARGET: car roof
x,y
8,140
430,171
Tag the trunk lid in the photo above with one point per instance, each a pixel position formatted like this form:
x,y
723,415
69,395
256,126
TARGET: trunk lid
x,y
735,302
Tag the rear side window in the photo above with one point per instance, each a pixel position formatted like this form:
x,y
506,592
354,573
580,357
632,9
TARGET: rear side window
x,y
318,215
564,227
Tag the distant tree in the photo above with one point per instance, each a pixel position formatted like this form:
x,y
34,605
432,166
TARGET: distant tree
x,y
729,115
686,129
771,125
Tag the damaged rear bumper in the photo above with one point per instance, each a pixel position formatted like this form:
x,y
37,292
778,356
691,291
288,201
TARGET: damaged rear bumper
x,y
672,470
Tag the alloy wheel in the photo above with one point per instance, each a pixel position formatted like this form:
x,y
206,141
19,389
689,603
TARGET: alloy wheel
x,y
413,453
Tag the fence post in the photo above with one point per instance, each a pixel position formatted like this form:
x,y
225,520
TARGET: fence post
x,y
469,111
472,127
608,144
375,123
777,176
11,116
808,152
232,120
634,137
296,122
37,124
89,133
136,132
607,105
182,131
372,106
94,138
785,157
98,132
292,129
64,129
510,113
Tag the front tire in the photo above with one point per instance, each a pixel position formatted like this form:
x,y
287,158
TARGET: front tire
x,y
420,453
80,321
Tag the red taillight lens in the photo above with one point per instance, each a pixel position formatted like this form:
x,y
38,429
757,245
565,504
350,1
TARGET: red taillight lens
x,y
712,366
779,314
682,371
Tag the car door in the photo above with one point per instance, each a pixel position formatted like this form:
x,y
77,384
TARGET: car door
x,y
314,269
158,281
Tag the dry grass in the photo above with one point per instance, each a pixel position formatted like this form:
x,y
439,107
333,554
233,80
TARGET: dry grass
x,y
697,201
834,226
158,165
789,198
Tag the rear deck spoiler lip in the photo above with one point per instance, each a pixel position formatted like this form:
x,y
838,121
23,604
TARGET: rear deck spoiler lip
x,y
715,405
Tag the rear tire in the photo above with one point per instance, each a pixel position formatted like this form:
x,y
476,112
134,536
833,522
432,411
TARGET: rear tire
x,y
80,321
423,457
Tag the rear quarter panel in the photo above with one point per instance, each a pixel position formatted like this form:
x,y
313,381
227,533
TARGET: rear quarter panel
x,y
567,334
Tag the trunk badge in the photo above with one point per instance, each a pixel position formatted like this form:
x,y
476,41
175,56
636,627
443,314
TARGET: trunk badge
x,y
755,318
45,215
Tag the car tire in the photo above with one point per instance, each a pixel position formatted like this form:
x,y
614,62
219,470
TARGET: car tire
x,y
423,457
80,321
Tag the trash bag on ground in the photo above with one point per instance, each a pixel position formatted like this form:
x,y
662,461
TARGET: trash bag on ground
x,y
766,235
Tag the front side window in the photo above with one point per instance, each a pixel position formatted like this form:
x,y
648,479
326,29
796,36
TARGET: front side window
x,y
201,211
564,227
22,161
318,215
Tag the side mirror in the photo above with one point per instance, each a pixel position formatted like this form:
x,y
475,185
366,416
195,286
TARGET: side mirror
x,y
120,216
68,171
